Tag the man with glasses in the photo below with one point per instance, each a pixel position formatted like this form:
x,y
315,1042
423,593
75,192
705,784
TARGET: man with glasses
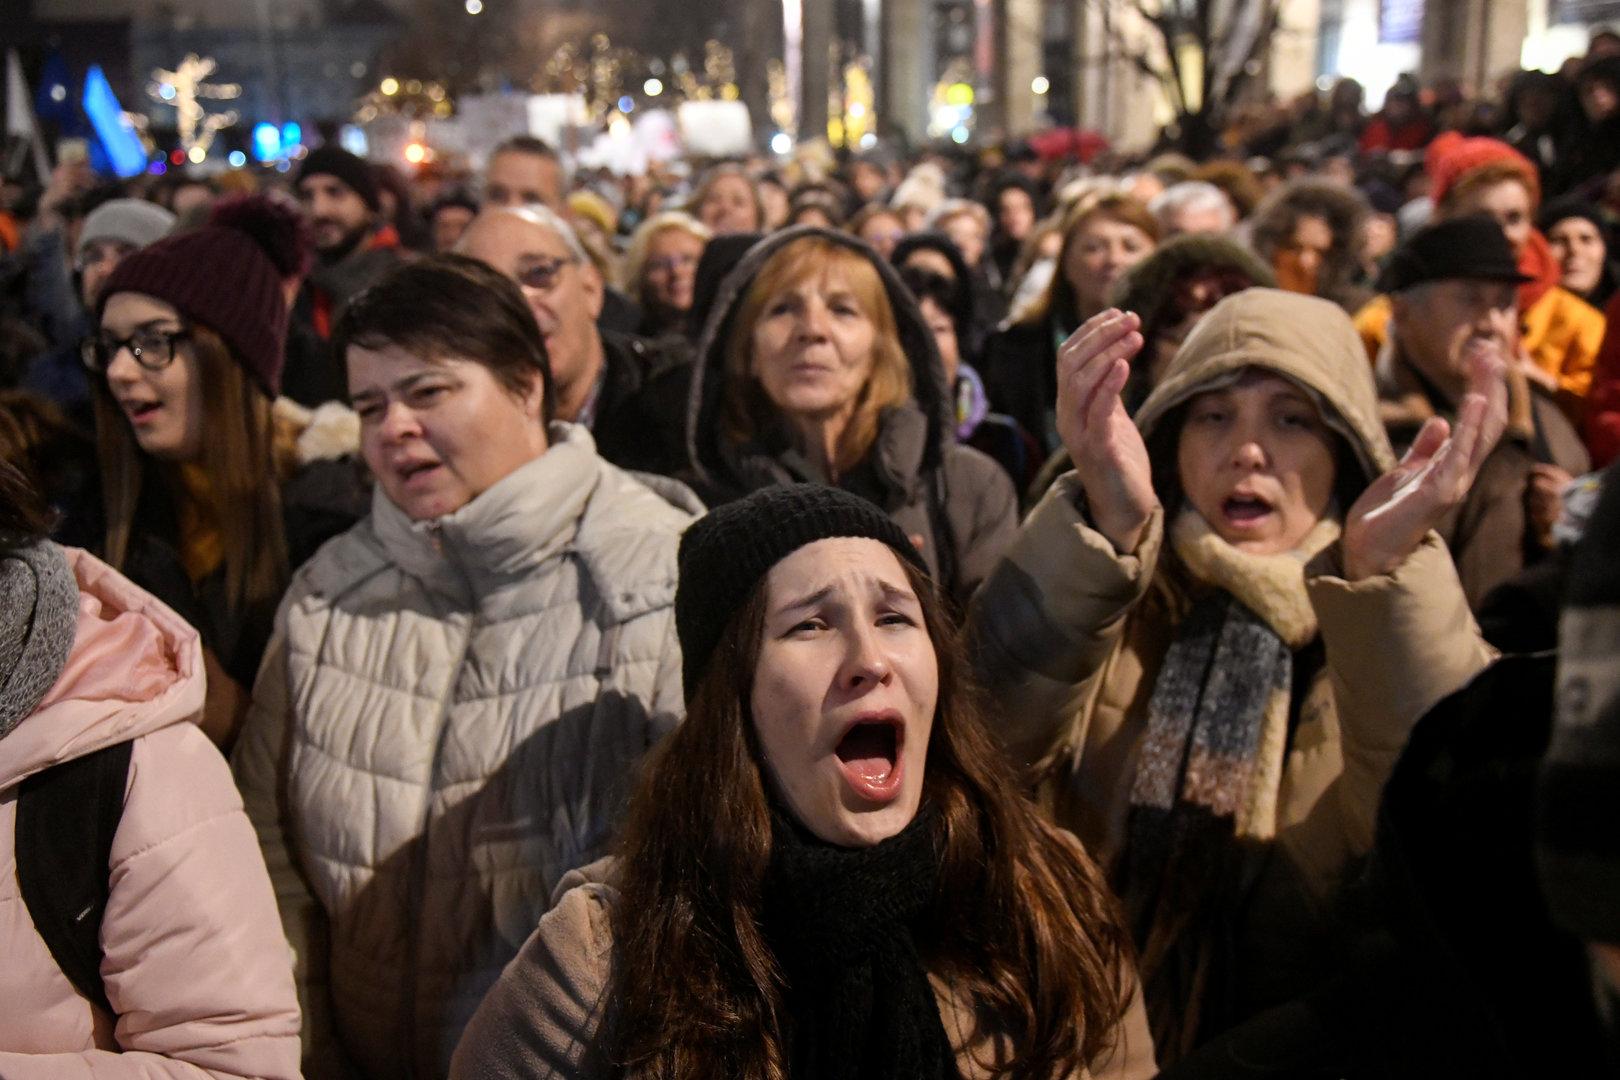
x,y
110,232
629,391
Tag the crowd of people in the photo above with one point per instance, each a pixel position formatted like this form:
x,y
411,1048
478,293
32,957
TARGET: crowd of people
x,y
892,615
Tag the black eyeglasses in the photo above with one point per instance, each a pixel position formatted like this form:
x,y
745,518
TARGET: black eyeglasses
x,y
542,273
152,349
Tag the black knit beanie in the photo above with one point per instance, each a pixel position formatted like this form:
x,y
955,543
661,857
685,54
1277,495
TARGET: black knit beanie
x,y
724,555
353,171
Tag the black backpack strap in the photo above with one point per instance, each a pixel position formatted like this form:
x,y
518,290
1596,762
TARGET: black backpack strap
x,y
67,816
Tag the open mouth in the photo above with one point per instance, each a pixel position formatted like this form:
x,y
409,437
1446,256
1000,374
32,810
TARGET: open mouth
x,y
141,411
1245,509
869,755
416,470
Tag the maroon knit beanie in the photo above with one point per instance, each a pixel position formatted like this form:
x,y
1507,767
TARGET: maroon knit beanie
x,y
227,276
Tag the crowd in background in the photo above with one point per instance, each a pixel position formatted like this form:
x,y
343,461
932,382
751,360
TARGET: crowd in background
x,y
1213,545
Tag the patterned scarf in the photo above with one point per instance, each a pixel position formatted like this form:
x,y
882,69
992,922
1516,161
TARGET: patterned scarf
x,y
1211,762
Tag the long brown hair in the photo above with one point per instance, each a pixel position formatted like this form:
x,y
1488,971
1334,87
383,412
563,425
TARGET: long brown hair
x,y
747,411
1023,928
238,465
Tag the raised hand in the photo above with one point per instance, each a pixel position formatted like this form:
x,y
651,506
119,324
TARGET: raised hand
x,y
1109,456
1398,509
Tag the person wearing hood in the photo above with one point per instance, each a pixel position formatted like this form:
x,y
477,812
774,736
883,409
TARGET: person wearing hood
x,y
460,687
1559,333
1170,291
1593,150
1211,639
1452,286
1014,203
184,975
213,488
818,366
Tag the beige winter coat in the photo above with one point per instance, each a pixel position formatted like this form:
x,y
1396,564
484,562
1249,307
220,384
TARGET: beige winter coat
x,y
542,1018
1069,635
445,724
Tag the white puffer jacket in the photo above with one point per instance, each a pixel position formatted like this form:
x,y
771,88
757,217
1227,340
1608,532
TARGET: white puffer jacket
x,y
445,723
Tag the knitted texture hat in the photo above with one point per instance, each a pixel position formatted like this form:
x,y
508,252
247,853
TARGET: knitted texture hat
x,y
724,555
354,171
1572,206
1452,157
131,221
228,276
39,613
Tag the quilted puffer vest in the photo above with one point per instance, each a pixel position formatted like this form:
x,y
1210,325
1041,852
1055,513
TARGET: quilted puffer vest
x,y
472,696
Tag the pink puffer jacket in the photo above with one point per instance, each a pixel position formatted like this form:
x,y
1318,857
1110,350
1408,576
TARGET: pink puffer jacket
x,y
195,963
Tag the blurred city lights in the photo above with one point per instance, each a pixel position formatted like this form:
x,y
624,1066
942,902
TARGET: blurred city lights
x,y
474,6
1039,85
237,159
627,104
58,92
166,91
782,143
416,153
198,155
959,134
652,87
389,86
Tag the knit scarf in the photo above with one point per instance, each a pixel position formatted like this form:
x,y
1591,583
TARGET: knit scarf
x,y
39,617
1210,766
840,922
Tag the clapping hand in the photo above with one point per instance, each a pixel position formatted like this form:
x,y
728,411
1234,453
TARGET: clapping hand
x,y
1109,455
1398,509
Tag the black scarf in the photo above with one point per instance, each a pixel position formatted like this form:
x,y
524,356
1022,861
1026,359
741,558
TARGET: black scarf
x,y
840,923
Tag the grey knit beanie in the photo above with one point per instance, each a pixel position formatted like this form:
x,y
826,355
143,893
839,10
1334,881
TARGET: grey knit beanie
x,y
39,614
135,222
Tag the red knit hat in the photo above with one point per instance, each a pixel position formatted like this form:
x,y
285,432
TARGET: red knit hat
x,y
1453,156
227,275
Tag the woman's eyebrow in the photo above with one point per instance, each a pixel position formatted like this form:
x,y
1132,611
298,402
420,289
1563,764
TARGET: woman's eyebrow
x,y
810,600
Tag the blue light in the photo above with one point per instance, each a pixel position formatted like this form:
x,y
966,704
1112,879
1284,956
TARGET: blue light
x,y
237,159
166,92
266,142
291,135
627,104
959,134
157,168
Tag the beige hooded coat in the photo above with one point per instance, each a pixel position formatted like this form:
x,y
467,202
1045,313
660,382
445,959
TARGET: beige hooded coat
x,y
1069,635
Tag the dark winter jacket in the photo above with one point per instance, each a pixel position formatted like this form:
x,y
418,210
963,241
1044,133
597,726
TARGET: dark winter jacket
x,y
640,417
956,500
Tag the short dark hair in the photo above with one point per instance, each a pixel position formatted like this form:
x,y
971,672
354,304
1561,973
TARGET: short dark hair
x,y
526,144
24,515
452,307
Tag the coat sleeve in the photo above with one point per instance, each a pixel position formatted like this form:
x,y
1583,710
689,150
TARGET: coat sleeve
x,y
259,761
1395,644
1049,616
983,520
193,964
540,1019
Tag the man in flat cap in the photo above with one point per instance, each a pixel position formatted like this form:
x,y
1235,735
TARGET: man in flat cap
x,y
1452,288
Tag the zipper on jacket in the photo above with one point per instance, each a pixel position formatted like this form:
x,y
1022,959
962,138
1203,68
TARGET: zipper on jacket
x,y
416,886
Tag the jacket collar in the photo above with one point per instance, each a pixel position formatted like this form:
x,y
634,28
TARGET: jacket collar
x,y
525,519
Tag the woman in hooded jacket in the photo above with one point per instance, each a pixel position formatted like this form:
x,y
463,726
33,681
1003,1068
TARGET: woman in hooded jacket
x,y
818,366
1211,639
195,980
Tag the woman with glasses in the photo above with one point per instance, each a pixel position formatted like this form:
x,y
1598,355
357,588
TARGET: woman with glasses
x,y
205,495
660,270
